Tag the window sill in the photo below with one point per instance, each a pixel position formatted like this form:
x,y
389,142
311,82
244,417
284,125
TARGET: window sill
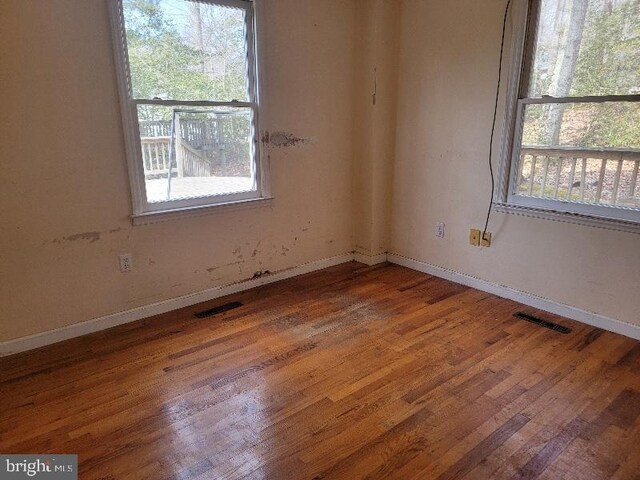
x,y
568,217
188,212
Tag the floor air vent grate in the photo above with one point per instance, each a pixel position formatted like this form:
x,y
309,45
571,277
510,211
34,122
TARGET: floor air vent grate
x,y
219,309
542,323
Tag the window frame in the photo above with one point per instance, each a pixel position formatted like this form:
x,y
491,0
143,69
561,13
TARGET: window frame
x,y
143,211
523,36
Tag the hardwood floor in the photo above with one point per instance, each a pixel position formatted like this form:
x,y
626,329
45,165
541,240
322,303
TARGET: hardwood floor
x,y
351,372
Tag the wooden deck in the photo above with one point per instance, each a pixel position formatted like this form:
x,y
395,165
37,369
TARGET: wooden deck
x,y
190,187
352,372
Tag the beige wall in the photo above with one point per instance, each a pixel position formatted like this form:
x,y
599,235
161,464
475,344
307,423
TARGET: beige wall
x,y
448,67
64,189
375,121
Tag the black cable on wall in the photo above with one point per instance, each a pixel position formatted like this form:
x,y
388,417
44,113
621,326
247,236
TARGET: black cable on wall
x,y
495,114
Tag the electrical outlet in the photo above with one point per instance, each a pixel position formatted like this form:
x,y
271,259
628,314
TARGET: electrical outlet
x,y
486,240
474,237
440,229
126,262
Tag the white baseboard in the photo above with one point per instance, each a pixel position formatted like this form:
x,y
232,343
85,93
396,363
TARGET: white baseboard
x,y
71,331
370,259
64,333
541,303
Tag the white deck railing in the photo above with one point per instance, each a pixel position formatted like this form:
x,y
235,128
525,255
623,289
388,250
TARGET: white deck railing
x,y
606,177
189,162
155,155
192,162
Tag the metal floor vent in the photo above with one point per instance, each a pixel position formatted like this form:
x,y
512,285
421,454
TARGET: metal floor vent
x,y
219,309
542,323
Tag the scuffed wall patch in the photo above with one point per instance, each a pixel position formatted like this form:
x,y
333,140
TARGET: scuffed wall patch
x,y
213,269
283,140
88,236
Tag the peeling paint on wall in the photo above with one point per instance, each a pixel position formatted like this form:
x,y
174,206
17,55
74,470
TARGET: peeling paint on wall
x,y
283,139
213,269
89,236
237,253
261,273
255,250
375,85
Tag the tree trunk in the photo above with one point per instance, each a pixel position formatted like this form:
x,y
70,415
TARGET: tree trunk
x,y
196,21
554,51
565,67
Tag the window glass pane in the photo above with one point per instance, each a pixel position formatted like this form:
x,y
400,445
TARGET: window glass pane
x,y
183,50
589,178
196,152
583,125
587,47
581,152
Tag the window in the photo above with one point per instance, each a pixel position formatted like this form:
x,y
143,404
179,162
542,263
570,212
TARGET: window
x,y
574,143
190,102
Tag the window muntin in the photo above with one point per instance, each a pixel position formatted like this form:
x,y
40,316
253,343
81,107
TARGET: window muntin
x,y
577,135
191,99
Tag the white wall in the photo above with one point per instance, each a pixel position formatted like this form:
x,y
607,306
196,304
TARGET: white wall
x,y
64,188
448,67
375,121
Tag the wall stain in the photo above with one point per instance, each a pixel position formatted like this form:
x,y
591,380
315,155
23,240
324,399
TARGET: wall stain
x,y
283,139
375,84
255,250
237,253
260,273
213,269
89,236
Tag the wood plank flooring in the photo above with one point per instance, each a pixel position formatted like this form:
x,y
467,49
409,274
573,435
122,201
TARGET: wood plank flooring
x,y
351,372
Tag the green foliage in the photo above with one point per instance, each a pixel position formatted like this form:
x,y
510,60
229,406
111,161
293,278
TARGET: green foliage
x,y
609,61
165,64
608,64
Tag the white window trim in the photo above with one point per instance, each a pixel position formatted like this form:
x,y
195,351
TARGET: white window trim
x,y
522,44
145,212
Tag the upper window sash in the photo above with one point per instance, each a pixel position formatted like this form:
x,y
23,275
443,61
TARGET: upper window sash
x,y
247,72
590,42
